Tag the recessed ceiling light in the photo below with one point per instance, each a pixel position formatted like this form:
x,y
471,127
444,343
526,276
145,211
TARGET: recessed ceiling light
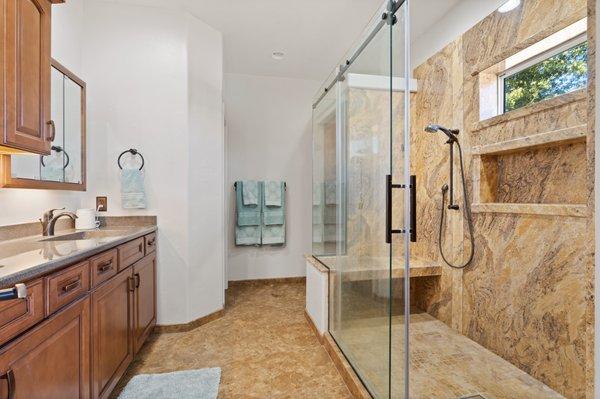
x,y
509,5
278,55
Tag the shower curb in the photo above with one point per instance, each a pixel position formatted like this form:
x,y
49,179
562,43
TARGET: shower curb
x,y
351,379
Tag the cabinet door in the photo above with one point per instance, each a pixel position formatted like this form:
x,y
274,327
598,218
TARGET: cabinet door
x,y
112,323
144,275
26,78
52,360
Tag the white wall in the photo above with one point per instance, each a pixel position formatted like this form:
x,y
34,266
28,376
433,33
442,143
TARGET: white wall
x,y
206,167
154,84
457,21
22,206
269,138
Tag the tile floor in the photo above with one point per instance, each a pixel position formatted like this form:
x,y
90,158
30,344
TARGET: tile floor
x,y
263,345
266,349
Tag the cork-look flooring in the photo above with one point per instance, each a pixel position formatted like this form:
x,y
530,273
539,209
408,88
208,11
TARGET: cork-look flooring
x,y
263,344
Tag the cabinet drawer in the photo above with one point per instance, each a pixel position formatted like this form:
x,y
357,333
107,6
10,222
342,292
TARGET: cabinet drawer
x,y
103,267
150,243
67,285
130,253
17,315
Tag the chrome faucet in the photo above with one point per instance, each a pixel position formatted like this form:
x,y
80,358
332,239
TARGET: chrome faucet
x,y
48,221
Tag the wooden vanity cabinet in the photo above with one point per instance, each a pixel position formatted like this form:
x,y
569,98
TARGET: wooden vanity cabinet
x,y
52,360
112,338
144,302
79,328
25,82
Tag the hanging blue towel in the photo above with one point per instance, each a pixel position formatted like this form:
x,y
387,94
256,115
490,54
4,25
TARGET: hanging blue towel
x,y
273,229
247,215
248,228
274,193
248,235
275,215
250,192
133,194
330,193
273,235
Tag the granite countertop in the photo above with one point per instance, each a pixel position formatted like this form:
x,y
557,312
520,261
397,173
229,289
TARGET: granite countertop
x,y
26,258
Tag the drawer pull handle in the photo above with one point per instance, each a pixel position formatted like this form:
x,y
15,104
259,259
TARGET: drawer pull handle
x,y
137,280
151,242
103,268
10,382
71,286
141,247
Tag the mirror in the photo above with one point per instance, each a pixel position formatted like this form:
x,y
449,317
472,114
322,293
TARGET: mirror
x,y
64,168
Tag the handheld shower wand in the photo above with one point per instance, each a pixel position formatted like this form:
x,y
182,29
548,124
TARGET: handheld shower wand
x,y
453,139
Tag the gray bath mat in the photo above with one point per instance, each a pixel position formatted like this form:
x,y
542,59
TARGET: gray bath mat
x,y
189,384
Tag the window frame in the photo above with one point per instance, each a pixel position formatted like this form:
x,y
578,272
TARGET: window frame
x,y
534,60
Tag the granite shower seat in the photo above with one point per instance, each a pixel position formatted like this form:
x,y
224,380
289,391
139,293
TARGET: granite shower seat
x,y
373,268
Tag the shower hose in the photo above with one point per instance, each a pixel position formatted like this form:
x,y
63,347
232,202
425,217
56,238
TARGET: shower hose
x,y
467,214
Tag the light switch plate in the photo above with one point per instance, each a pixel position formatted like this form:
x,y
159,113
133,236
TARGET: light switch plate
x,y
101,204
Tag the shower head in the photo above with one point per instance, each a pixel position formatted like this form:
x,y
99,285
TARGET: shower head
x,y
451,133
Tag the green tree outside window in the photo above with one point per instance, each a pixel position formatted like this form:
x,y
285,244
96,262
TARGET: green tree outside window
x,y
559,74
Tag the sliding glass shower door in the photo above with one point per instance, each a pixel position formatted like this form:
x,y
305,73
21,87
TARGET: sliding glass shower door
x,y
361,186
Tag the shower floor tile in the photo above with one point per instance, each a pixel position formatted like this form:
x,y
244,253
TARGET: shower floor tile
x,y
443,363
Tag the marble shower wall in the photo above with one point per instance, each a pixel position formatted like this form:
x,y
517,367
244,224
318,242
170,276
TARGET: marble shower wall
x,y
528,294
438,100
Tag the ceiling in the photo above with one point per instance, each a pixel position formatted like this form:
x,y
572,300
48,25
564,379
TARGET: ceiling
x,y
313,34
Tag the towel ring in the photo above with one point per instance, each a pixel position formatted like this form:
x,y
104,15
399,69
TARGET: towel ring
x,y
59,150
132,151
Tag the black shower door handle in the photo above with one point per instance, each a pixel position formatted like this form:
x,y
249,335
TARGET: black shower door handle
x,y
413,208
389,186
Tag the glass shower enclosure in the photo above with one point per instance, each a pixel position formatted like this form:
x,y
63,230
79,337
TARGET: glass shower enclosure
x,y
362,200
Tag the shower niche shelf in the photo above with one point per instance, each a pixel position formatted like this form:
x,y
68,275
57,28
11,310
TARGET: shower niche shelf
x,y
540,174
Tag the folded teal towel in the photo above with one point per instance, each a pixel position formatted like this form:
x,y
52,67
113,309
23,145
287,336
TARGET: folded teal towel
x,y
250,192
247,235
275,215
274,192
133,194
247,215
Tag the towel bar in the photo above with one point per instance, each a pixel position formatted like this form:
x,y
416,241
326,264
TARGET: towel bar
x,y
284,186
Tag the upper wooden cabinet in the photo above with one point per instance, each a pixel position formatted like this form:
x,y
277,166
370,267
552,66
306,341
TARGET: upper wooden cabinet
x,y
25,83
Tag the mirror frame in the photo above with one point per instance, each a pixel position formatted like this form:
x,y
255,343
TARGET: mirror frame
x,y
7,181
